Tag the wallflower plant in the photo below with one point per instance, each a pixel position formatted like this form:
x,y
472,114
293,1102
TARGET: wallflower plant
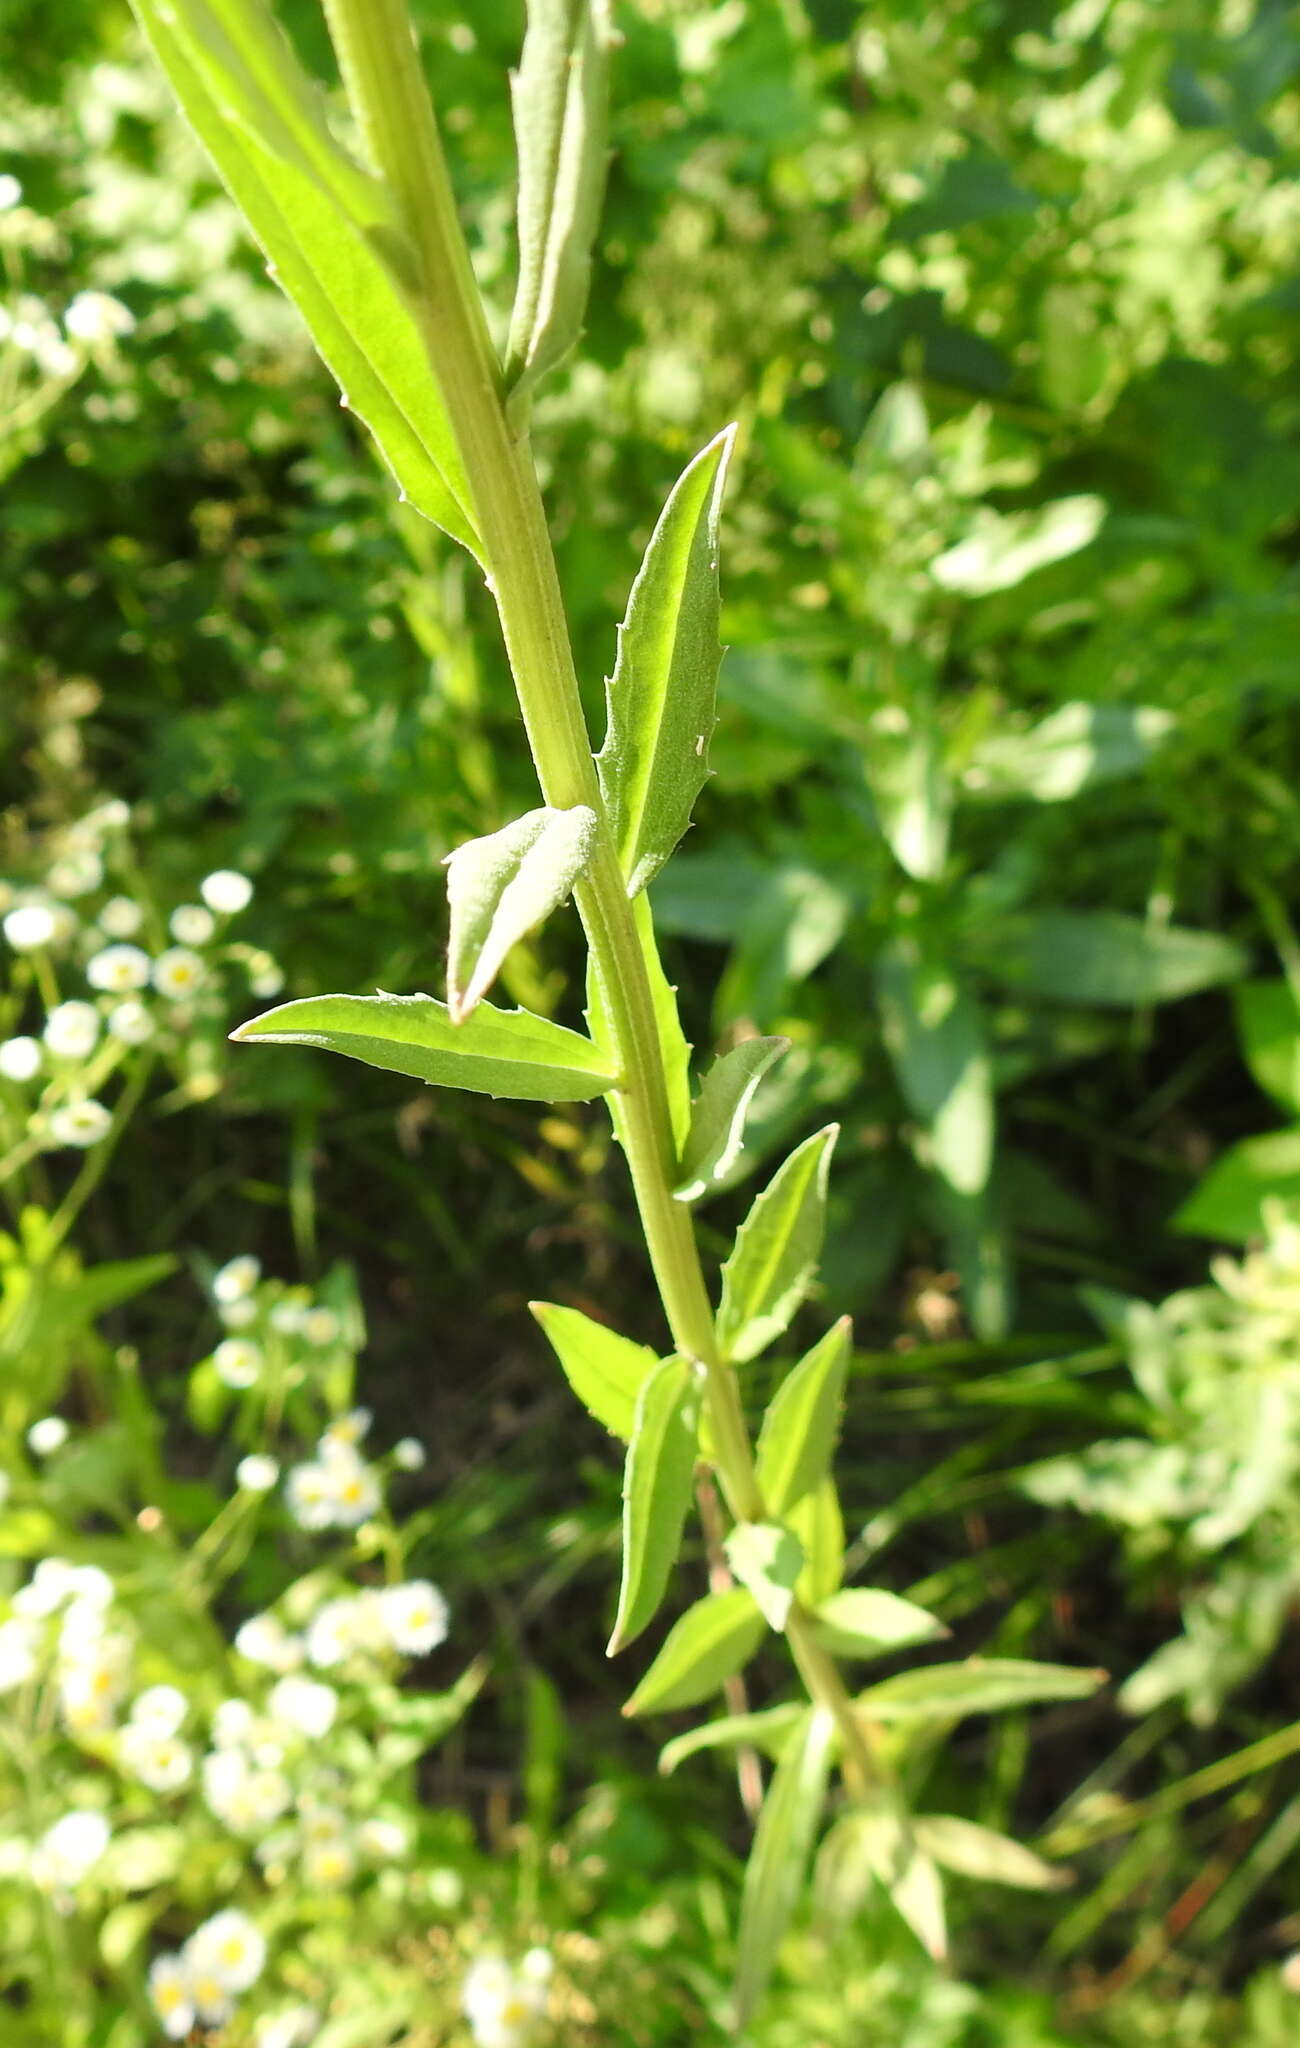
x,y
373,254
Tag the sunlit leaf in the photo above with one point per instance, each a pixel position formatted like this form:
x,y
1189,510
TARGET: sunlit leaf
x,y
802,1422
774,1260
714,1639
767,1561
783,1842
606,1371
717,1130
863,1621
656,1494
499,887
973,1851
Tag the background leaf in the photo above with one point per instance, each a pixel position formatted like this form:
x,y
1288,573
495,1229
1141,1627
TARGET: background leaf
x,y
782,1845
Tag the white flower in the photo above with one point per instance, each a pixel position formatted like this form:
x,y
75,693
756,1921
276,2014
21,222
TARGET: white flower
x,y
309,1496
446,1889
354,1493
328,1863
69,1849
90,1588
20,1640
287,1317
385,1841
238,1361
48,1435
265,976
538,1966
77,873
53,1582
118,969
305,1705
190,924
249,1801
71,1030
177,973
409,1454
226,891
297,2027
416,1616
212,2002
237,1315
131,1023
346,1431
228,1947
160,1708
20,1059
82,1124
231,1722
256,1473
237,1278
93,1678
121,918
171,1995
263,1639
320,1326
500,2003
97,318
10,192
30,927
162,1762
343,1626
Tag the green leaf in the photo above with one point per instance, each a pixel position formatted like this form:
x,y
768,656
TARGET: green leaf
x,y
1229,1202
782,1845
717,1132
1005,547
377,2027
993,1685
672,1041
656,1494
1075,747
878,1845
713,1639
768,1730
802,1423
934,1035
660,697
1268,1024
560,95
326,227
818,1523
910,790
606,1371
1105,958
495,1052
767,1560
973,1851
774,1259
862,1621
499,887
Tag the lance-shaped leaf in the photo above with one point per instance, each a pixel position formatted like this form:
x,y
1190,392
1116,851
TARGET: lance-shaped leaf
x,y
767,1560
934,1034
496,1052
673,1047
656,1494
863,1621
769,1730
712,1641
819,1524
777,1862
660,697
981,1685
802,1423
877,1845
560,95
606,1371
774,1259
717,1132
326,226
973,1851
499,887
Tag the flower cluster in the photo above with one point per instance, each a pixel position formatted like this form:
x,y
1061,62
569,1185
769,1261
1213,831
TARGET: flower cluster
x,y
199,1984
502,2004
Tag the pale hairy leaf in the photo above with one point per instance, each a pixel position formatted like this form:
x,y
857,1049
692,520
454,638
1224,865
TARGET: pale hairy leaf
x,y
783,1843
495,1052
560,96
767,1561
661,695
769,1730
802,1422
717,1132
862,1621
818,1522
500,886
980,1685
713,1639
878,1845
656,1494
973,1851
774,1260
606,1371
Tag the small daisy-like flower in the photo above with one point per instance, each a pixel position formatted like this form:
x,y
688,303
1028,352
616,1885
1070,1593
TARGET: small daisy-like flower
x,y
191,924
20,1059
81,1124
332,1635
20,1641
287,1317
237,1315
131,1023
162,1762
76,874
264,1640
226,891
446,1889
90,1588
53,1582
409,1454
256,1473
69,1849
231,1722
416,1616
160,1708
309,1496
171,1996
229,1948
304,1704
382,1840
118,970
499,2004
238,1362
346,1431
212,2002
320,1326
265,976
121,918
329,1863
237,1278
30,927
11,192
177,973
48,1435
353,1490
72,1030
97,318
296,2027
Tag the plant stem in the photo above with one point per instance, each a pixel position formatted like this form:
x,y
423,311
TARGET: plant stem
x,y
380,64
